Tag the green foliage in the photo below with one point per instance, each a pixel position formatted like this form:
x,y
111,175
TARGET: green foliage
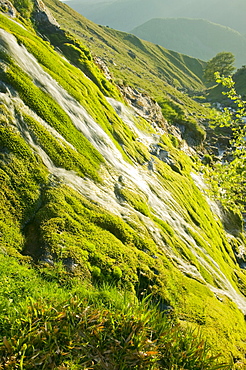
x,y
71,334
24,7
239,79
228,179
222,63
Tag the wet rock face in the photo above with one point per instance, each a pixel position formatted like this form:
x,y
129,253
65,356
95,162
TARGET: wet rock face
x,y
144,106
164,156
7,8
218,142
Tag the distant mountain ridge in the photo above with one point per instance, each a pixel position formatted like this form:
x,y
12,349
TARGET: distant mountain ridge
x,y
196,37
127,14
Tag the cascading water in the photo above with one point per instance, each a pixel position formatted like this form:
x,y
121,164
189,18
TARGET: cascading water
x,y
127,117
212,267
162,203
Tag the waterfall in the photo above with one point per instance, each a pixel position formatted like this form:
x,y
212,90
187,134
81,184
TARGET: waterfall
x,y
159,200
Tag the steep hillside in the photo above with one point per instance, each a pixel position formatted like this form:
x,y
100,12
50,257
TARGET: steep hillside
x,y
195,37
151,69
112,256
126,14
115,48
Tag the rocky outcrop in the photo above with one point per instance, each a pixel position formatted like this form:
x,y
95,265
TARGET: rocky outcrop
x,y
218,142
7,8
44,18
144,106
103,67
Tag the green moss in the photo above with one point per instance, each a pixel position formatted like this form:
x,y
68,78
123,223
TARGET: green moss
x,y
60,152
47,218
135,198
12,142
144,125
21,175
80,88
206,310
52,113
241,281
165,226
24,7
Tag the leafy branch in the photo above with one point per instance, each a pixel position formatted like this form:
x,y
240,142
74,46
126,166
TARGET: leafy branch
x,y
229,178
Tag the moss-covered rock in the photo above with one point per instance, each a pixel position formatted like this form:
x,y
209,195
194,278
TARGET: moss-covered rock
x,y
153,234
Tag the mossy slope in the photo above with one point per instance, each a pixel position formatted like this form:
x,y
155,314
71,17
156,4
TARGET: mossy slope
x,y
128,243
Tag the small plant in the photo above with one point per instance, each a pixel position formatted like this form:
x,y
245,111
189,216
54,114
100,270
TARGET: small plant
x,y
228,178
117,273
43,336
96,272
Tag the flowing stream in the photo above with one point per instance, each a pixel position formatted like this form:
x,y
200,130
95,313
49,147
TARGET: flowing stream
x,y
139,177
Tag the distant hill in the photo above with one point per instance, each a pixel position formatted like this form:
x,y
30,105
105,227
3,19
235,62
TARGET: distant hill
x,y
164,67
195,37
126,14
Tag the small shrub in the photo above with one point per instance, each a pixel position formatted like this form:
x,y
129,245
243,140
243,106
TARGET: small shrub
x,y
95,272
117,273
207,159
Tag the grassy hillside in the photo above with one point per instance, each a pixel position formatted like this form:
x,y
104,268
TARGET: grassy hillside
x,y
195,37
161,73
110,256
113,46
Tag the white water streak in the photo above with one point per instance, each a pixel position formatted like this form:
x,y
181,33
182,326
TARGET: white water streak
x,y
159,200
127,115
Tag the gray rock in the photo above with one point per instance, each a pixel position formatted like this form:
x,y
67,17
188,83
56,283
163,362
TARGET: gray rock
x,y
43,17
144,106
164,156
151,166
103,67
69,264
48,260
7,8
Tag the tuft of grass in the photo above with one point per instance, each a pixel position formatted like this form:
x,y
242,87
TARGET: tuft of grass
x,y
73,334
